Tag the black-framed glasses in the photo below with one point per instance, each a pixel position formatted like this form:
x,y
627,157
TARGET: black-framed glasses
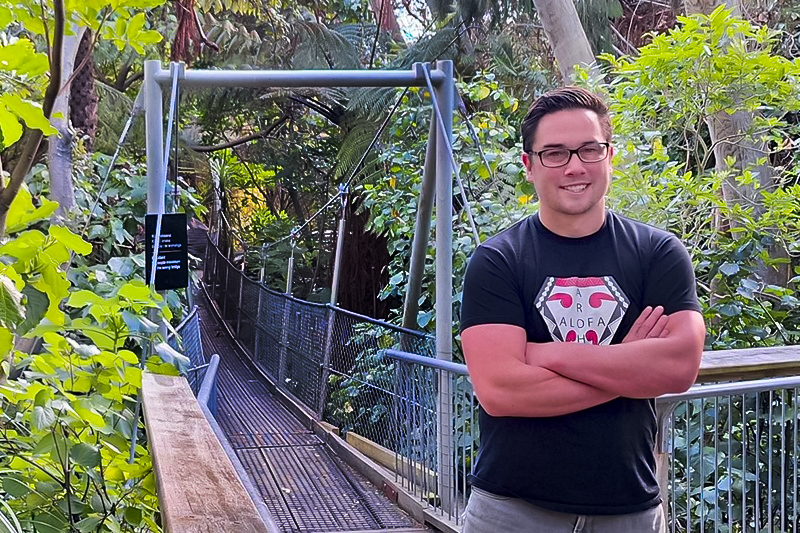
x,y
558,157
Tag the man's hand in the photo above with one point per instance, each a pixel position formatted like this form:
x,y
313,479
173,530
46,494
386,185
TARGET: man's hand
x,y
651,324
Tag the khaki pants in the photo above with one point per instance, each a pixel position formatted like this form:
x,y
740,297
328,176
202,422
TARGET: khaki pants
x,y
490,513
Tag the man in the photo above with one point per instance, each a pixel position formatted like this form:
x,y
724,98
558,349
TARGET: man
x,y
573,320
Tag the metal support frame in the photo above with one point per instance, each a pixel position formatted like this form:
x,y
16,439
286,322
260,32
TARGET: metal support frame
x,y
331,325
441,77
444,93
422,230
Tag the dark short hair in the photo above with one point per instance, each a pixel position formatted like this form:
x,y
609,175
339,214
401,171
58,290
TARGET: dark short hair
x,y
558,100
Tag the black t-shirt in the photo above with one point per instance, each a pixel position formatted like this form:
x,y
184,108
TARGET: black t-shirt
x,y
591,289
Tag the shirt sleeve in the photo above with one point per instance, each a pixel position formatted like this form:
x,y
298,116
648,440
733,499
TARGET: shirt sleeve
x,y
671,281
491,293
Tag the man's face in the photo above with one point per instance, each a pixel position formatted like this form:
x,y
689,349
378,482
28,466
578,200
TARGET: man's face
x,y
571,197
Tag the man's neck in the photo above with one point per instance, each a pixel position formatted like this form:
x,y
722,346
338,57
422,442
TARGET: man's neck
x,y
572,226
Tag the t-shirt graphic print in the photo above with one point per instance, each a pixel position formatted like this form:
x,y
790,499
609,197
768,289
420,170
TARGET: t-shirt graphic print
x,y
587,310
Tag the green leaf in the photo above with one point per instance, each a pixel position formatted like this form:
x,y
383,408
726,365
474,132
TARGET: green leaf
x,y
43,417
169,355
25,246
122,266
50,523
729,269
85,455
83,298
36,304
136,291
28,111
10,127
23,213
6,16
133,515
730,309
89,524
20,57
15,487
70,240
11,310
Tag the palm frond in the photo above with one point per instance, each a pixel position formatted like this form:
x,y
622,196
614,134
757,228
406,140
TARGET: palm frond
x,y
360,36
239,46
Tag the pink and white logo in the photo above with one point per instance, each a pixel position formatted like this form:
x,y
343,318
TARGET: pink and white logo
x,y
582,309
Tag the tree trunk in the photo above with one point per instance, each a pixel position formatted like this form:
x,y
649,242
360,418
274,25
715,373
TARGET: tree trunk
x,y
385,18
565,33
83,95
59,158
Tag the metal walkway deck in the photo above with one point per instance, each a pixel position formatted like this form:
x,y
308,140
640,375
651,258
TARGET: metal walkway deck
x,y
305,486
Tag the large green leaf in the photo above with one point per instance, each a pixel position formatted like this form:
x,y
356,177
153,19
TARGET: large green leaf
x,y
83,298
15,487
28,111
36,304
11,310
23,213
89,524
43,417
25,246
85,455
70,240
9,126
20,57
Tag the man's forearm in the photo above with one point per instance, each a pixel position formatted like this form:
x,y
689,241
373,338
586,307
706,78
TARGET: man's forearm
x,y
539,392
643,368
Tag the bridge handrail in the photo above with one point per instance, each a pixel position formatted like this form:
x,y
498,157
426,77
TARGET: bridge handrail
x,y
439,364
184,444
707,390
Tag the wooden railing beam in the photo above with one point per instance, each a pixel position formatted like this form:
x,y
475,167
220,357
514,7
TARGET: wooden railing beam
x,y
198,488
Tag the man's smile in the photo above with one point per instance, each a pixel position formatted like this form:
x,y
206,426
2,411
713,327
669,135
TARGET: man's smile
x,y
576,188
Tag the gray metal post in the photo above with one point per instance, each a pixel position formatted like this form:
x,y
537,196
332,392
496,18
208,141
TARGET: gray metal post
x,y
422,231
445,93
337,266
241,289
154,133
326,350
290,274
260,289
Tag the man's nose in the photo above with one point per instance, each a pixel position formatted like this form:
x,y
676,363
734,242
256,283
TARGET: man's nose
x,y
574,164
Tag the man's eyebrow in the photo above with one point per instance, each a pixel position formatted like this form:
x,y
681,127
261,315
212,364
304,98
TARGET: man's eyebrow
x,y
557,145
546,146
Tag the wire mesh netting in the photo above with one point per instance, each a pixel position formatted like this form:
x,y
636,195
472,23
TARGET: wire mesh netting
x,y
187,341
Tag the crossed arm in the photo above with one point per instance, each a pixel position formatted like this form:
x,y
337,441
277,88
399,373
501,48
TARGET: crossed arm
x,y
512,377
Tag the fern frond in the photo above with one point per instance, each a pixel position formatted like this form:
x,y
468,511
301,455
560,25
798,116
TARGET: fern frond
x,y
359,135
323,48
372,102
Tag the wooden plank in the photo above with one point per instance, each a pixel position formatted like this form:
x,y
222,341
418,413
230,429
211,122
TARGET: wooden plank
x,y
198,488
749,363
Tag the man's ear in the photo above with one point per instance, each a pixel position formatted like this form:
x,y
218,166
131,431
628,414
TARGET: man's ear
x,y
526,159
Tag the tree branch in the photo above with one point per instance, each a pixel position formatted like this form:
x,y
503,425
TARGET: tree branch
x,y
25,163
242,140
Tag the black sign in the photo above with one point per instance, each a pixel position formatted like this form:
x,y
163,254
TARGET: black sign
x,y
172,268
